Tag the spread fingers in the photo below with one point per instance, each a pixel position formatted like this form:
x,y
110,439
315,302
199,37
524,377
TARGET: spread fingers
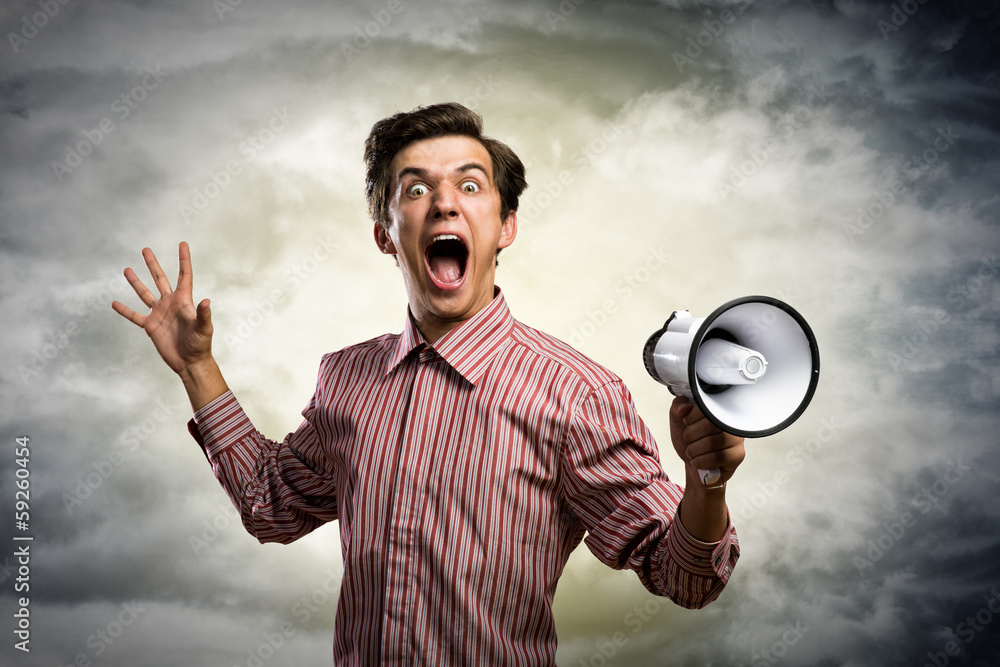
x,y
159,278
141,290
129,314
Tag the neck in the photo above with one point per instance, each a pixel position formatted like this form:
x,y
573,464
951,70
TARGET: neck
x,y
433,327
435,330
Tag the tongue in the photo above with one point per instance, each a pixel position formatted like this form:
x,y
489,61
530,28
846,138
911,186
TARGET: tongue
x,y
446,269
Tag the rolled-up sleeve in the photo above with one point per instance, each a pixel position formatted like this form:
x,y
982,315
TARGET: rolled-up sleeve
x,y
282,490
615,484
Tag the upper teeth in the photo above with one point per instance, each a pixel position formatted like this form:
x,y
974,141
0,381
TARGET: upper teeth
x,y
445,237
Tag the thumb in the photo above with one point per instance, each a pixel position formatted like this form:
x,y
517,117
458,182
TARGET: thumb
x,y
679,408
204,322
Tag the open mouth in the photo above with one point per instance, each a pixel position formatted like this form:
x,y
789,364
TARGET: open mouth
x,y
447,258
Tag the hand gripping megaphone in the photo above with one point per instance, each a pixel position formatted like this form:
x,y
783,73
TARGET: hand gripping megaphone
x,y
751,366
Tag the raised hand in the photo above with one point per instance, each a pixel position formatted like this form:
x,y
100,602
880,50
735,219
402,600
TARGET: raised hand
x,y
180,332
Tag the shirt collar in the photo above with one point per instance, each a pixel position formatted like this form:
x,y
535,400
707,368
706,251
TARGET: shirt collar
x,y
468,348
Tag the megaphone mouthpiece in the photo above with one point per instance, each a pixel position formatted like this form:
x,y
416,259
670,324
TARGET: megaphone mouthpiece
x,y
720,362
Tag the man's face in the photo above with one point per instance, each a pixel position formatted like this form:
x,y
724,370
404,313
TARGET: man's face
x,y
445,229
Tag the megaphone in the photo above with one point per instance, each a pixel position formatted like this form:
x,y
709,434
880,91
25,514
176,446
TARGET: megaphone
x,y
751,366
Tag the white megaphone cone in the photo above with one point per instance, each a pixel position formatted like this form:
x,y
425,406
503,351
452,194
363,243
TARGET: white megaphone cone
x,y
751,366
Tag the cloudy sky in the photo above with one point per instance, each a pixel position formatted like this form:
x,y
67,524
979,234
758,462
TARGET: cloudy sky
x,y
842,156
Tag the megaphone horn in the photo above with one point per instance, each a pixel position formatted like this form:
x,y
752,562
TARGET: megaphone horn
x,y
752,366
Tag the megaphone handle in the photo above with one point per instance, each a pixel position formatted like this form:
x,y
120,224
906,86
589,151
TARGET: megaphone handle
x,y
711,478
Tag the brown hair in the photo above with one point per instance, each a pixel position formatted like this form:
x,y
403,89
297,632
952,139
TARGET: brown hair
x,y
390,135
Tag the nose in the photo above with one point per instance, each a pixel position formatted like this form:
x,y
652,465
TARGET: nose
x,y
445,203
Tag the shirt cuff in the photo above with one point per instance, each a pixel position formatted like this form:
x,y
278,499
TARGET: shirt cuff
x,y
219,425
703,558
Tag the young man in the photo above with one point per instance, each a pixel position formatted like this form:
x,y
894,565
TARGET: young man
x,y
467,456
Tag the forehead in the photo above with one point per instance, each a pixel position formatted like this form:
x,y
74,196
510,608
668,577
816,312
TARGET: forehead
x,y
442,155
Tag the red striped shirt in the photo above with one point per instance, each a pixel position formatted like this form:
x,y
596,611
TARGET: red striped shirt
x,y
463,475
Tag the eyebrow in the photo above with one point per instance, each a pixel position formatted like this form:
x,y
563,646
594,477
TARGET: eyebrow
x,y
470,166
419,172
416,171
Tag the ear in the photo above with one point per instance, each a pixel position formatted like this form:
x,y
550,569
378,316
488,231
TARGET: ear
x,y
508,230
383,241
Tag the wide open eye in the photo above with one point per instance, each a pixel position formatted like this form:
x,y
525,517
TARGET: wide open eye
x,y
470,187
417,190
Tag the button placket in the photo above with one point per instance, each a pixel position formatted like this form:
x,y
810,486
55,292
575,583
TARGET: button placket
x,y
403,582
